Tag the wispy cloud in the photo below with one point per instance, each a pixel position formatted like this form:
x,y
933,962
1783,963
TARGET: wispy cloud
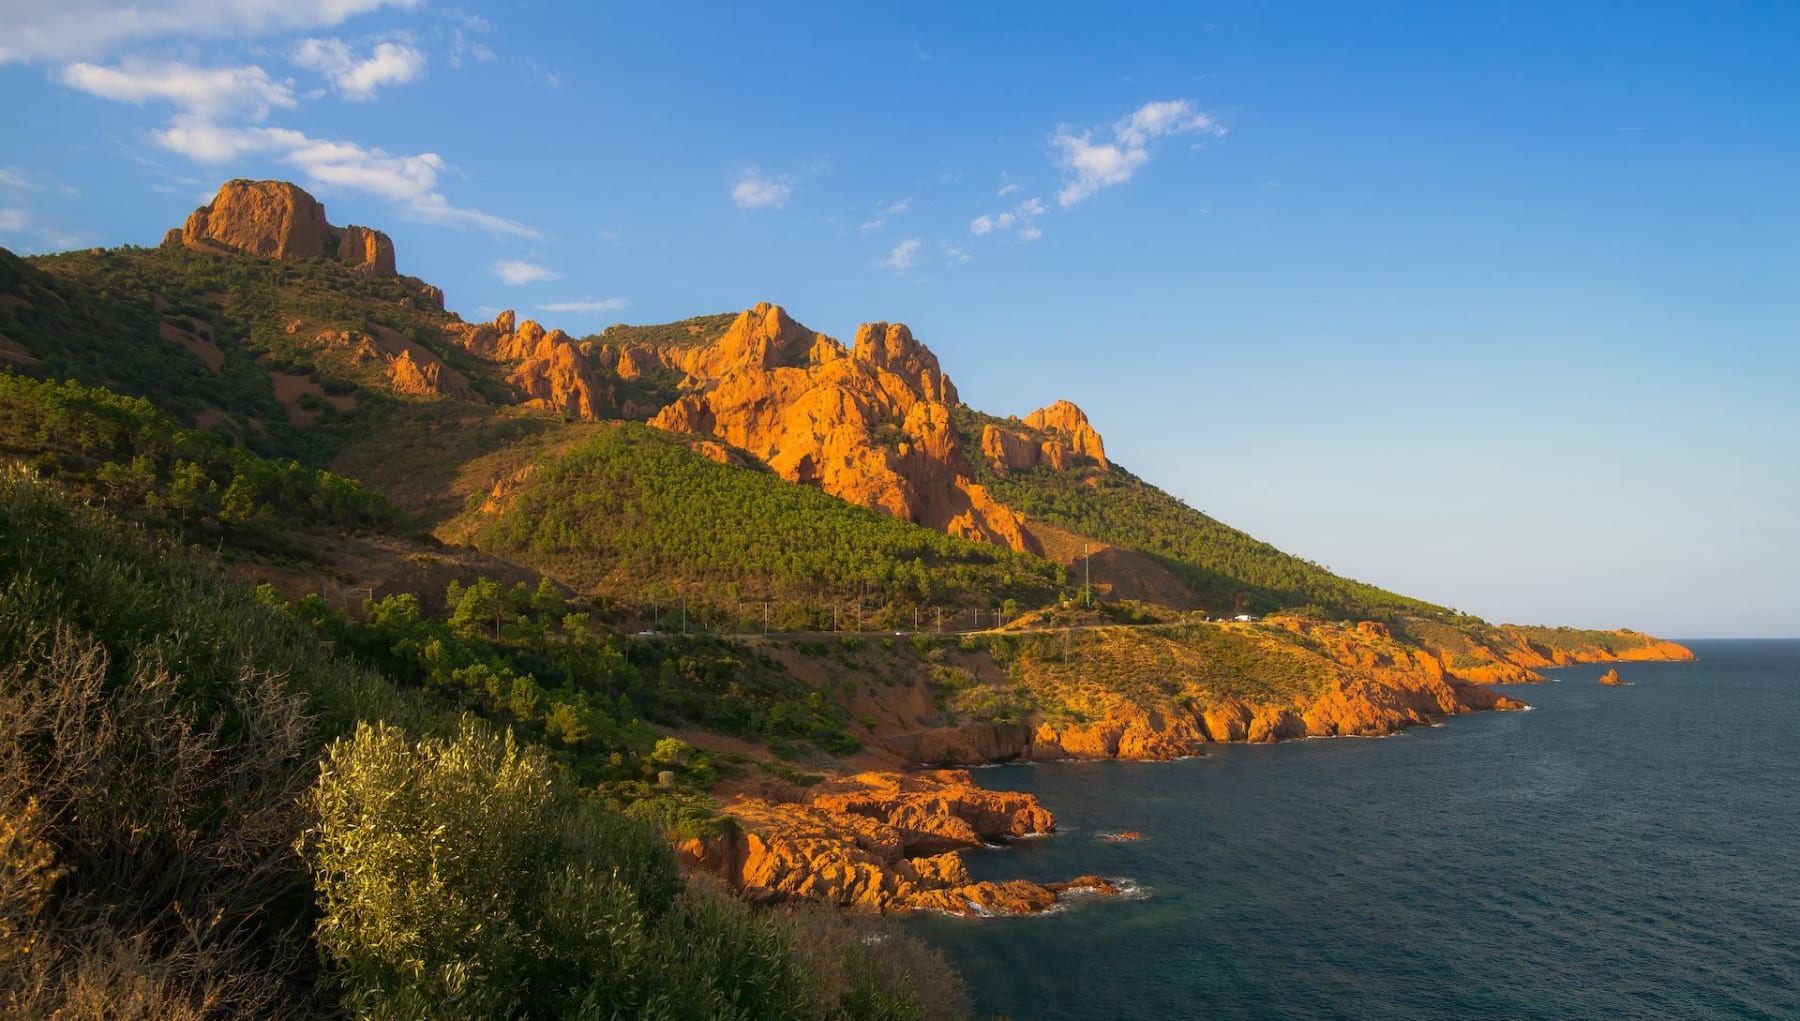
x,y
358,77
885,210
1007,189
1019,217
460,44
408,181
1090,166
589,306
901,258
517,272
206,91
754,191
76,29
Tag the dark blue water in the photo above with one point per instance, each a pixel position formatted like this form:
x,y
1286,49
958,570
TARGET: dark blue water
x,y
1616,853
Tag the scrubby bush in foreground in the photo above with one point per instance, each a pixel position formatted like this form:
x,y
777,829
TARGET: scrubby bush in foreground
x,y
459,879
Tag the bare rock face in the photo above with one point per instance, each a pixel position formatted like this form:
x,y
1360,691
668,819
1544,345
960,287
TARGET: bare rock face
x,y
881,842
1069,424
1058,437
1611,679
872,425
369,249
553,370
281,221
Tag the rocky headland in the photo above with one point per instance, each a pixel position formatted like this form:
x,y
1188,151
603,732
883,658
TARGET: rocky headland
x,y
882,842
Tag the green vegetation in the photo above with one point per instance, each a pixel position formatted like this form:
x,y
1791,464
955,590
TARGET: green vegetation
x,y
1224,568
696,332
123,451
1071,675
633,507
519,656
459,878
101,317
205,811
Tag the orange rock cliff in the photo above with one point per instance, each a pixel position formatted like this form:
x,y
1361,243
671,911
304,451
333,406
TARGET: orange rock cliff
x,y
1058,437
280,220
871,424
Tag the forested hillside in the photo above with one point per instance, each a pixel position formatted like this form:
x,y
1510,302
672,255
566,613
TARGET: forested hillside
x,y
1227,570
633,508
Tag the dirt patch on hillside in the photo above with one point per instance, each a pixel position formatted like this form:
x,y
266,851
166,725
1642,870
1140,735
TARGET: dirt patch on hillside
x,y
1118,573
13,351
289,388
201,347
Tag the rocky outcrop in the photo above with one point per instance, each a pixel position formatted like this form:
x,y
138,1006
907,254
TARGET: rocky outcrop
x,y
871,424
880,842
1511,654
1057,437
281,221
1611,679
1363,683
553,370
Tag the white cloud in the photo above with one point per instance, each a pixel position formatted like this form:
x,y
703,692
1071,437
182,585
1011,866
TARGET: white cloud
x,y
357,78
72,29
408,181
1006,189
1020,217
1093,165
13,220
884,210
460,44
207,91
586,305
901,258
956,253
516,272
754,191
459,40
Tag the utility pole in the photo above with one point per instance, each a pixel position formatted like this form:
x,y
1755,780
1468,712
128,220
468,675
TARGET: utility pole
x,y
1087,577
940,618
765,618
834,617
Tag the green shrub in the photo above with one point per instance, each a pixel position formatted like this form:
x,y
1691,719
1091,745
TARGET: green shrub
x,y
456,881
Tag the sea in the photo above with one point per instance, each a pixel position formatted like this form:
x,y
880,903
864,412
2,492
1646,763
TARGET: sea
x,y
1629,852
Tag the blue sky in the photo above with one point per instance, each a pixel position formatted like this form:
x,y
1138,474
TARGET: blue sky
x,y
1496,305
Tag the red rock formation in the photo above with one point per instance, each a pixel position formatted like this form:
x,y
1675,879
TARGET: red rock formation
x,y
1070,424
1058,437
368,249
881,842
1611,679
553,371
871,425
281,221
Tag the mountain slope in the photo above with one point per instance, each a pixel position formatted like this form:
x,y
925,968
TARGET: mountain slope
x,y
504,435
